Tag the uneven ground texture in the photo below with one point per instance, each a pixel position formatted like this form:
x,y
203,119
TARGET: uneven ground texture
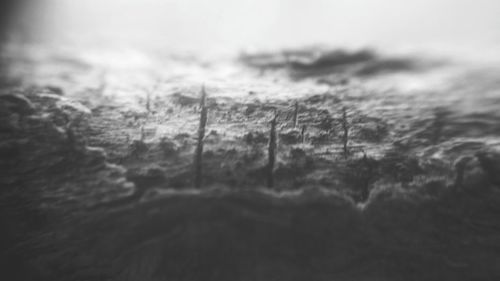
x,y
97,152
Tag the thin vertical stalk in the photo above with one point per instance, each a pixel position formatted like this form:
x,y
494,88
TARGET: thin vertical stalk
x,y
303,134
345,128
438,124
148,102
198,165
296,114
272,152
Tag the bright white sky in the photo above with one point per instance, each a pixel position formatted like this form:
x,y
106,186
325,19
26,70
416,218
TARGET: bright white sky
x,y
234,25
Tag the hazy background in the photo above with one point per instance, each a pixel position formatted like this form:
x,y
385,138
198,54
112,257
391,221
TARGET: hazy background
x,y
232,26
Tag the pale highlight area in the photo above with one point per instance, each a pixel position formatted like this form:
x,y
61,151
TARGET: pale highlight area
x,y
230,26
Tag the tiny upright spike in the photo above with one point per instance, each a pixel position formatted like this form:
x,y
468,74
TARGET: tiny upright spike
x,y
272,152
303,133
345,127
198,160
296,114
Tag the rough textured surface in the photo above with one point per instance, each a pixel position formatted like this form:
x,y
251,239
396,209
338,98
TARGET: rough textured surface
x,y
97,168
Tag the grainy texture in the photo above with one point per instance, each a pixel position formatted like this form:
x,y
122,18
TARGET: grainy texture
x,y
105,173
